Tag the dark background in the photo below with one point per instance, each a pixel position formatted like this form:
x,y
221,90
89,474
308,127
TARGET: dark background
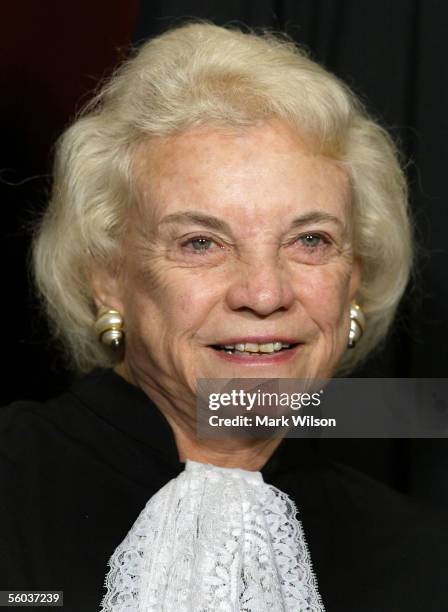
x,y
392,53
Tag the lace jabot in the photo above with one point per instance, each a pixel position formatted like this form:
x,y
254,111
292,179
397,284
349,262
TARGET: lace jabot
x,y
213,540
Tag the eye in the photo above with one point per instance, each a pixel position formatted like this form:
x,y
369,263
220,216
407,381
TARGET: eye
x,y
312,240
313,248
198,244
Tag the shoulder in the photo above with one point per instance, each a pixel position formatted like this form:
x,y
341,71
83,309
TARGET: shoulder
x,y
21,415
31,435
331,494
359,498
29,428
12,414
391,548
352,505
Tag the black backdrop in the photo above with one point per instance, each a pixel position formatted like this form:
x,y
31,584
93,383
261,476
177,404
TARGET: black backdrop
x,y
392,53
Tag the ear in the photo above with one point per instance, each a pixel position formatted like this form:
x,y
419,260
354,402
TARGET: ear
x,y
355,278
106,288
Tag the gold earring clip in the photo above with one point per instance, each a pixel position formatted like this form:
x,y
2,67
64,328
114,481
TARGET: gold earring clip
x,y
357,325
109,327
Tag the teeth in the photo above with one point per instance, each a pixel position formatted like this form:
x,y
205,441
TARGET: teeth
x,y
253,347
266,348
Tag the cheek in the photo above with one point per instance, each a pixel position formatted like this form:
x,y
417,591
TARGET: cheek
x,y
324,294
177,304
190,295
193,302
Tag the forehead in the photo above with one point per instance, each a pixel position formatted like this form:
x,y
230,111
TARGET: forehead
x,y
257,171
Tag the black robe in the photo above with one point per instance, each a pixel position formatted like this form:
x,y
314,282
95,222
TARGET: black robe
x,y
76,471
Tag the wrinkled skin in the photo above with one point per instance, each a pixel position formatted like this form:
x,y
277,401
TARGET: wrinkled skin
x,y
185,285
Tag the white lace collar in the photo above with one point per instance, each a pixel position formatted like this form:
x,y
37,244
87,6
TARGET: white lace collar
x,y
213,540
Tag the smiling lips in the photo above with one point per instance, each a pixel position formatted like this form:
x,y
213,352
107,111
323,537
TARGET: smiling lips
x,y
254,347
255,344
269,350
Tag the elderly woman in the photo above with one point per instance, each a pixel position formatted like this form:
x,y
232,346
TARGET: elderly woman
x,y
224,208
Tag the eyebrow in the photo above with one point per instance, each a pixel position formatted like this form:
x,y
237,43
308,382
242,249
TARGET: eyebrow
x,y
316,216
212,222
198,218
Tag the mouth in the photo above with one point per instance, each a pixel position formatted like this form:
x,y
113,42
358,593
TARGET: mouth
x,y
254,348
253,354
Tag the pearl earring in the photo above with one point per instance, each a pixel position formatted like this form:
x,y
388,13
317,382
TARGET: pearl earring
x,y
109,327
357,324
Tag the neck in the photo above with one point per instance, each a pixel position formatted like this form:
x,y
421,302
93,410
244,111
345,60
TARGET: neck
x,y
245,454
249,455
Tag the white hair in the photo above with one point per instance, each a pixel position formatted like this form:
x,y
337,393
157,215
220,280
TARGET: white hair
x,y
204,74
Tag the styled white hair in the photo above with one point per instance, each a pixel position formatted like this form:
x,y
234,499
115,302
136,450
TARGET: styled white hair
x,y
204,74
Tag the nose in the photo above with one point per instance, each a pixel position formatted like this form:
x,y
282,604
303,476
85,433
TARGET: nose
x,y
261,286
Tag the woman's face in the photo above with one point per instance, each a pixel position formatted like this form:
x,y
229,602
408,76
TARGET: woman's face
x,y
238,238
